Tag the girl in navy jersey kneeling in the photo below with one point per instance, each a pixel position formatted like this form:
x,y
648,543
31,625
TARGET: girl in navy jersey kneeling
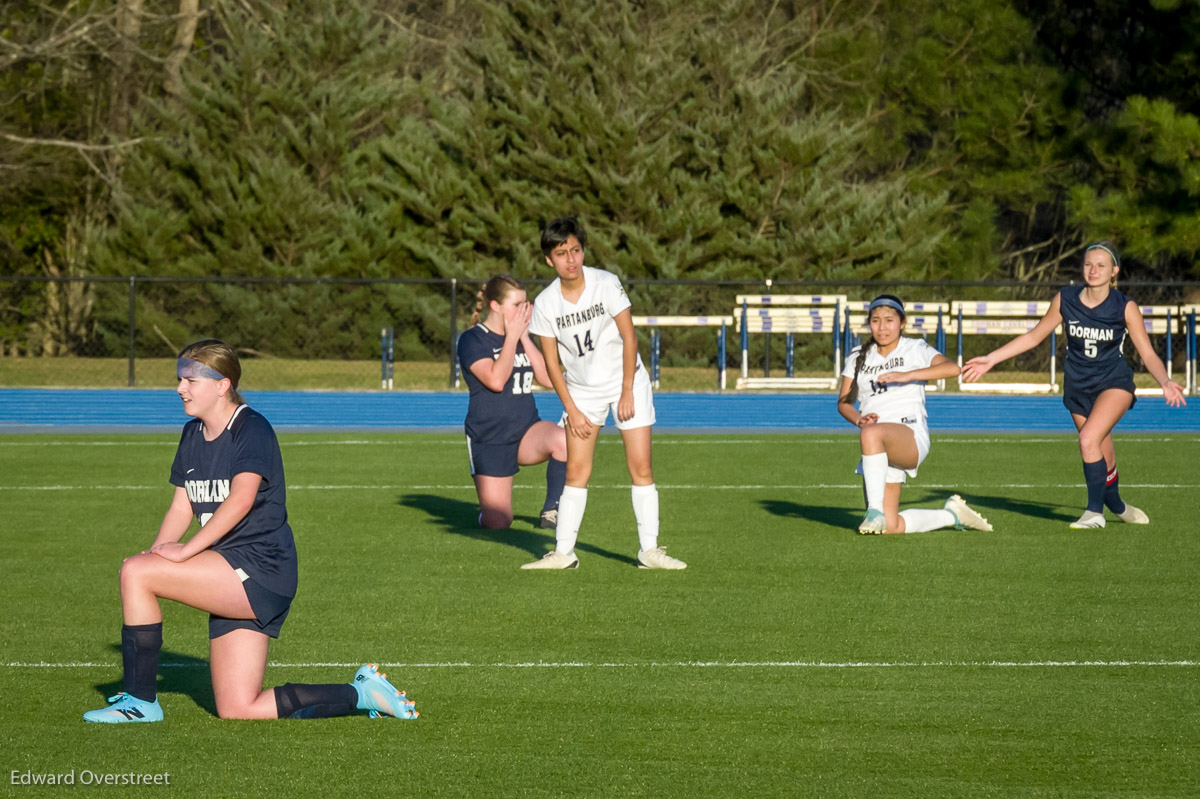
x,y
500,364
886,376
240,566
1098,384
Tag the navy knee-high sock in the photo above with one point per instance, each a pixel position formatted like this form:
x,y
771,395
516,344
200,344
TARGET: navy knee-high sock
x,y
301,701
556,478
140,645
1094,474
1112,493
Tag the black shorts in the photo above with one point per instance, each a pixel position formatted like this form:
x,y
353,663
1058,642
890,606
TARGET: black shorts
x,y
1079,398
270,611
492,459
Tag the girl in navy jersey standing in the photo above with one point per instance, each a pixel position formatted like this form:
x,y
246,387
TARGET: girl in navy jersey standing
x,y
1098,387
240,566
500,363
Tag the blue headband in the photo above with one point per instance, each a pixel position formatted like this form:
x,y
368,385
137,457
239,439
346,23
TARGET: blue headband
x,y
1116,260
186,367
886,302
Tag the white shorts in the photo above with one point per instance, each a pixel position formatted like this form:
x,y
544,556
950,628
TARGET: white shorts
x,y
894,475
595,404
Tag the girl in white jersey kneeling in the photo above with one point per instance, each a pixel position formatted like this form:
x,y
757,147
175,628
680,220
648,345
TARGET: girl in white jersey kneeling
x,y
886,375
585,330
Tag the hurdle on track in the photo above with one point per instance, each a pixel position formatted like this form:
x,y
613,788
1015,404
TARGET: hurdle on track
x,y
656,322
1002,318
1187,318
789,314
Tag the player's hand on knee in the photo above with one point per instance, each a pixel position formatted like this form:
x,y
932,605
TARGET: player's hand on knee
x,y
171,550
868,419
579,425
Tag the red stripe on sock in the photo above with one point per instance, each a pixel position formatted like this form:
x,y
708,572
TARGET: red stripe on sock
x,y
1112,477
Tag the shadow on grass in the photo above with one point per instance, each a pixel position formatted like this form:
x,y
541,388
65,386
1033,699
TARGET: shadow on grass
x,y
1040,510
462,518
177,674
841,517
849,517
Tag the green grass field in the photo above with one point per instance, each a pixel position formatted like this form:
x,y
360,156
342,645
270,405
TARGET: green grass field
x,y
792,657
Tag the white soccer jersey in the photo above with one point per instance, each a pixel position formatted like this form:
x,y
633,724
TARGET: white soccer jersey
x,y
903,403
590,347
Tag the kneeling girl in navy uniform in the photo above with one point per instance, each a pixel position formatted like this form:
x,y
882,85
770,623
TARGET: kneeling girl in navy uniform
x,y
1098,383
500,364
240,566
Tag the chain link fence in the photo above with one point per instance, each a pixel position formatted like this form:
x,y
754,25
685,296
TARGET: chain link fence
x,y
327,333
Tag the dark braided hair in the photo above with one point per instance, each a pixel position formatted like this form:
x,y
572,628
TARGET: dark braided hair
x,y
851,396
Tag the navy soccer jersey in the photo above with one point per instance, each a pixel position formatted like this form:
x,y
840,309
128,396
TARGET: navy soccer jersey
x,y
1095,337
496,417
261,543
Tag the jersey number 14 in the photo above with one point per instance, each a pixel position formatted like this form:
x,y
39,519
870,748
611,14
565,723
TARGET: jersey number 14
x,y
585,344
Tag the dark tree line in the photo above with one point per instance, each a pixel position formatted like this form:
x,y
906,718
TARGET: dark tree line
x,y
738,140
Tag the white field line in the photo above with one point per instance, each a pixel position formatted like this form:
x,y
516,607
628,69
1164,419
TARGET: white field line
x,y
678,664
607,439
620,486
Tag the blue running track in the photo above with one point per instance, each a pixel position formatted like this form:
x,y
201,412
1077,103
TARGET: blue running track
x,y
25,410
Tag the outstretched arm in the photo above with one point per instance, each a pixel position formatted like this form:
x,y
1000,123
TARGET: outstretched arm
x,y
978,367
1136,325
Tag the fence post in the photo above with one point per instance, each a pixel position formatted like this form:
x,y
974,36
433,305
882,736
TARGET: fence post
x,y
721,358
453,332
745,340
767,342
132,311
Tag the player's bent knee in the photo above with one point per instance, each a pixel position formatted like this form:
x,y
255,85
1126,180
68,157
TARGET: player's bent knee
x,y
136,571
495,520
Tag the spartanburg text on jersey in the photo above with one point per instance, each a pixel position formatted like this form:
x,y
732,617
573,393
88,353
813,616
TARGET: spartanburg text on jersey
x,y
496,417
903,403
1095,337
261,543
589,344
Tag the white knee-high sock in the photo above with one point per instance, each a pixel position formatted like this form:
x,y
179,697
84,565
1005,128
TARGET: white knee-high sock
x,y
645,510
874,468
570,515
922,521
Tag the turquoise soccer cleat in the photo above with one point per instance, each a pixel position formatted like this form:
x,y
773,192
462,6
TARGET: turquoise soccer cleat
x,y
380,697
124,708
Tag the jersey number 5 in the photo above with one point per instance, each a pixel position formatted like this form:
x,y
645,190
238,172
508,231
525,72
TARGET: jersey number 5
x,y
1089,347
586,343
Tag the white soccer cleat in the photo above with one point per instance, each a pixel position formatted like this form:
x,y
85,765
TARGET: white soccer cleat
x,y
874,523
554,560
965,517
657,558
1088,521
1133,515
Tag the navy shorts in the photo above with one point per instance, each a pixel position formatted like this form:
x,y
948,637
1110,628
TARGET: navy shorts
x,y
1079,398
492,459
270,611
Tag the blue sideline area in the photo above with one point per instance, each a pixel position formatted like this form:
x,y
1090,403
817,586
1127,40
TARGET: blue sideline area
x,y
28,410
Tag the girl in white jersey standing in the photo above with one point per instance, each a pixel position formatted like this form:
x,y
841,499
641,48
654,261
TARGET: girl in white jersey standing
x,y
586,332
887,376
